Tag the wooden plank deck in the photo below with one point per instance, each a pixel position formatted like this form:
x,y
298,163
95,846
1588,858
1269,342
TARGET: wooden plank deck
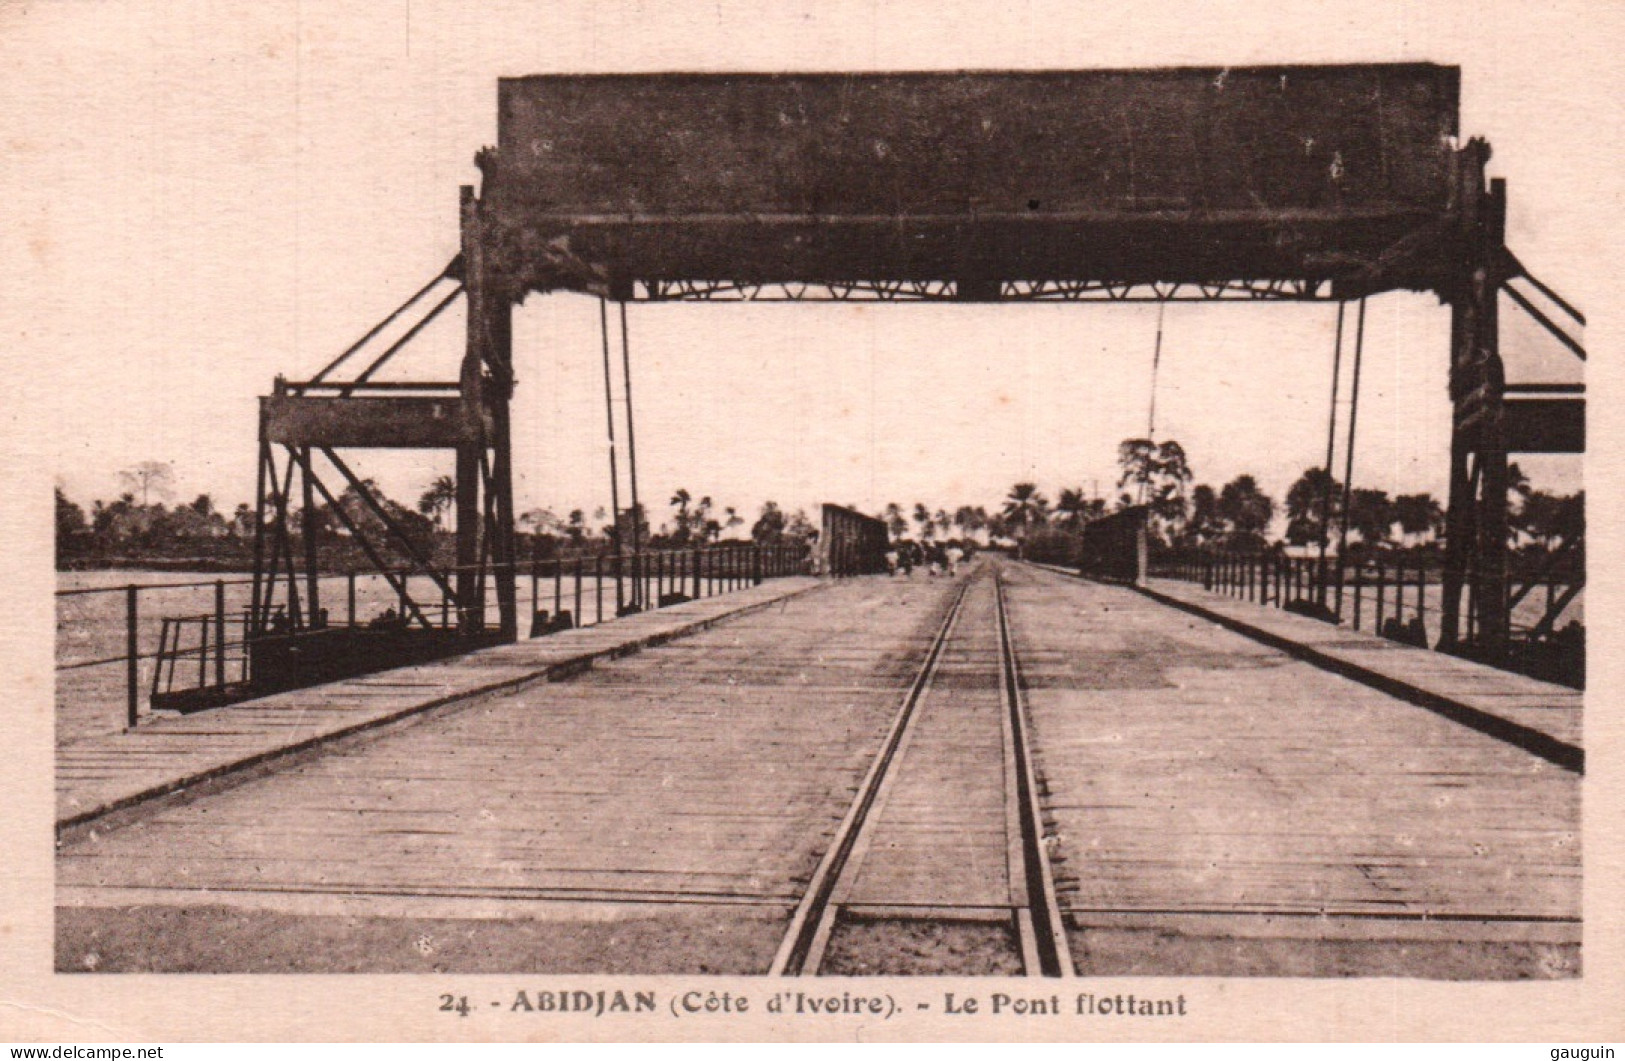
x,y
1194,774
710,769
941,831
106,773
1541,707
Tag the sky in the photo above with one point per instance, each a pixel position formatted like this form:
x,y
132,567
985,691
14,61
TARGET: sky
x,y
207,195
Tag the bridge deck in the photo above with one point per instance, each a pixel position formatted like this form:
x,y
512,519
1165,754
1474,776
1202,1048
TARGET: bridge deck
x,y
109,771
1552,710
1210,801
949,792
1205,787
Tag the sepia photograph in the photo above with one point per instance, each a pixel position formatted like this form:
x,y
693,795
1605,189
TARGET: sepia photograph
x,y
1053,520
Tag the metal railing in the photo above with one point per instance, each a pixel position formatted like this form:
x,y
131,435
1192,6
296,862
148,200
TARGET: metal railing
x,y
1399,597
1386,595
129,644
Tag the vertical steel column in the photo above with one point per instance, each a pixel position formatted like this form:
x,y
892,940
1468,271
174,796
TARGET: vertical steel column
x,y
1476,529
1490,590
261,591
487,385
470,585
307,530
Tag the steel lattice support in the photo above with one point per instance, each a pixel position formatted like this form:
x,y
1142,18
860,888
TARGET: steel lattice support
x,y
1263,290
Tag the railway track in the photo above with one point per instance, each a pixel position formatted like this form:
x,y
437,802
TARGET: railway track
x,y
939,864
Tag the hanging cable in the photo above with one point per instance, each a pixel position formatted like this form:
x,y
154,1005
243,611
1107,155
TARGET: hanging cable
x,y
1331,444
631,436
1156,364
1348,461
614,474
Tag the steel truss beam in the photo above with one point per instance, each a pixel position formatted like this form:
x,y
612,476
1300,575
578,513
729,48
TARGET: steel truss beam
x,y
1272,290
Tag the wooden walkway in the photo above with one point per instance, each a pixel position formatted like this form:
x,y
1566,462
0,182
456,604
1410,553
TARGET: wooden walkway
x,y
1553,711
108,773
1196,776
708,770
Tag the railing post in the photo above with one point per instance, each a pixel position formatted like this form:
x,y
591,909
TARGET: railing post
x,y
203,651
580,568
350,595
1359,591
220,633
620,587
132,677
598,584
558,587
1381,595
1421,598
1399,592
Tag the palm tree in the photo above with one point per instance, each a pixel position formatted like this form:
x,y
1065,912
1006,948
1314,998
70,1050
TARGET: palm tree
x,y
1024,509
1247,510
896,522
1371,514
438,500
680,501
1418,515
1072,506
1205,524
1312,504
922,516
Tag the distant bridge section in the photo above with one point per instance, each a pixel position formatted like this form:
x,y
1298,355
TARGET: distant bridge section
x,y
850,543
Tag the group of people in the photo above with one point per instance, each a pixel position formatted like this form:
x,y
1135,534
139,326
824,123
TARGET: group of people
x,y
938,558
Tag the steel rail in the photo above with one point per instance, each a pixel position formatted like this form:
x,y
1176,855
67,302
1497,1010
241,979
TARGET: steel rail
x,y
1039,923
1035,910
801,949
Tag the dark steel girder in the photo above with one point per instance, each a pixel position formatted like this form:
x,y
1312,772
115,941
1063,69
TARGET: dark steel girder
x,y
1005,291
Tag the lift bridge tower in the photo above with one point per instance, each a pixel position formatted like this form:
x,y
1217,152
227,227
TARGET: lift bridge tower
x,y
1260,184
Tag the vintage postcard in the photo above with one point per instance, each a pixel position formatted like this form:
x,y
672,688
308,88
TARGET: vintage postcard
x,y
820,521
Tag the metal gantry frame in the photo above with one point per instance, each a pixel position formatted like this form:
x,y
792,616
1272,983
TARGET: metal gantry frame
x,y
1440,229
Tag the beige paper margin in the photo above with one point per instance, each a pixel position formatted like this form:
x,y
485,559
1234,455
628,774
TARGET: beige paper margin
x,y
1577,46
